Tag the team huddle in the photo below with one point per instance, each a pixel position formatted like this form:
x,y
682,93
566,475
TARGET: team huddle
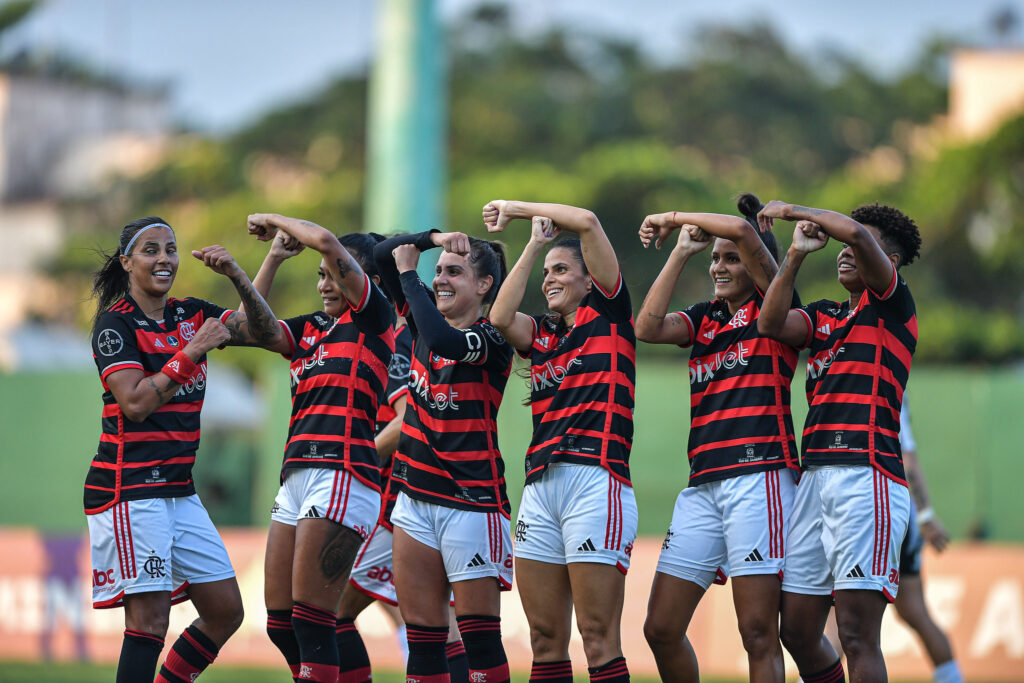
x,y
392,455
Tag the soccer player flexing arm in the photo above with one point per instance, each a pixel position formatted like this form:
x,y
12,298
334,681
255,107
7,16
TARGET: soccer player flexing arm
x,y
153,543
330,481
852,504
578,516
451,531
742,449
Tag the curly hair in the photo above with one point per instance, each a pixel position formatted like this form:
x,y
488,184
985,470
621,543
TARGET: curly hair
x,y
898,231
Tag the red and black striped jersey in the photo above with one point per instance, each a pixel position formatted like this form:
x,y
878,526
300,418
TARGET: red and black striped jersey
x,y
583,386
398,386
740,416
152,458
448,451
339,375
857,372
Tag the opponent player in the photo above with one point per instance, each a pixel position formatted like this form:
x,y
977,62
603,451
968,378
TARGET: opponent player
x,y
451,515
578,516
153,543
742,450
852,505
330,482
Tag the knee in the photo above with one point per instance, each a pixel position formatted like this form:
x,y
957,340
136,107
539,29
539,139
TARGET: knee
x,y
856,639
760,636
660,634
797,638
547,643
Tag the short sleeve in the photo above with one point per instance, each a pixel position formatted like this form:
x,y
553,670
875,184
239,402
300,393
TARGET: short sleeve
x,y
693,316
114,345
615,304
898,306
374,314
211,310
811,312
295,328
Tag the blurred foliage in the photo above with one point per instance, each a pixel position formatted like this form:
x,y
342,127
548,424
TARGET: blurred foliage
x,y
591,121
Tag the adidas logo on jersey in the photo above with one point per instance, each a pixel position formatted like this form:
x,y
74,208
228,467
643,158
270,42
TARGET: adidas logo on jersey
x,y
477,561
587,547
313,513
709,335
159,344
754,557
856,572
309,341
825,329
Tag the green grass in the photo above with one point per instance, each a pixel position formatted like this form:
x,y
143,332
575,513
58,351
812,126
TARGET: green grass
x,y
967,423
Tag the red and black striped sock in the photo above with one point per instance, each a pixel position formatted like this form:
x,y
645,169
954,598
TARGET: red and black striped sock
x,y
551,672
833,674
614,671
353,661
481,634
279,628
192,652
458,665
318,652
140,652
427,662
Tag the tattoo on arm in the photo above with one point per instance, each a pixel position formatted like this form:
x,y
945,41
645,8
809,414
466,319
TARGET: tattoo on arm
x,y
164,395
810,210
767,263
656,316
344,266
339,552
256,325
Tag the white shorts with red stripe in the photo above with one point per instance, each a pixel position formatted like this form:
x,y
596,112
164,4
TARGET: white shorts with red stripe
x,y
374,570
577,513
157,544
845,533
473,545
731,527
315,493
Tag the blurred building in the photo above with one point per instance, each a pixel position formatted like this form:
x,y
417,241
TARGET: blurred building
x,y
986,87
61,138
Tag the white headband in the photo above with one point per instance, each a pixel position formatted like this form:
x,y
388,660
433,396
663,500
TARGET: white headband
x,y
127,250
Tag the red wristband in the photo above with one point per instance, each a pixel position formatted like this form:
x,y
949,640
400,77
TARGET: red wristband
x,y
180,368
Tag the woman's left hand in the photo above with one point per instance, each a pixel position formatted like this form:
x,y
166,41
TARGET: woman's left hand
x,y
407,257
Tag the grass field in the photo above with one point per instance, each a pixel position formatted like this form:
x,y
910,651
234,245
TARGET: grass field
x,y
967,423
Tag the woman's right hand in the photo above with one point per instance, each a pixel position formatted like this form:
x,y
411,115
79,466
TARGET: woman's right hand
x,y
808,237
453,242
543,230
692,239
285,246
212,334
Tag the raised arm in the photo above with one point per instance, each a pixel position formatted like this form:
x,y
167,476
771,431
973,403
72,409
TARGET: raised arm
x,y
755,256
342,268
876,270
654,324
777,320
516,327
256,325
383,255
598,253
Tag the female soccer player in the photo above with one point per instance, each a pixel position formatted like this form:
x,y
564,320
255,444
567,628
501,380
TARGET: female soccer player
x,y
330,481
851,508
451,516
578,516
742,451
153,543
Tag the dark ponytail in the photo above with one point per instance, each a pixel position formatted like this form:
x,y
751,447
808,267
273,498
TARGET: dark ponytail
x,y
749,206
360,245
488,258
110,283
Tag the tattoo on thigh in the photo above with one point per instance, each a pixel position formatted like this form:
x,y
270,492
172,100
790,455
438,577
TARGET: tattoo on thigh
x,y
339,551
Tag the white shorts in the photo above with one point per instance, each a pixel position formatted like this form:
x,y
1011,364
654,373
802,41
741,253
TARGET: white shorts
x,y
845,532
577,513
473,545
732,527
315,492
156,544
374,570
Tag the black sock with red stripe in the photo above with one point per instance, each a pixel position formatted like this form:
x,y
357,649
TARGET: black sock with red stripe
x,y
427,661
614,671
192,652
353,661
551,672
318,651
279,628
140,652
458,665
833,674
481,634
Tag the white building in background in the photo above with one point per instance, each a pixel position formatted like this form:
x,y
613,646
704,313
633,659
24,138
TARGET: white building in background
x,y
61,139
986,88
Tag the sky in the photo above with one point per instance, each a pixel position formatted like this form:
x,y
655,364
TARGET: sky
x,y
229,61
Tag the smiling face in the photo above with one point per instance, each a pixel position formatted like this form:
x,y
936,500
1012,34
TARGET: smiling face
x,y
459,292
152,264
846,264
334,302
565,281
729,275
